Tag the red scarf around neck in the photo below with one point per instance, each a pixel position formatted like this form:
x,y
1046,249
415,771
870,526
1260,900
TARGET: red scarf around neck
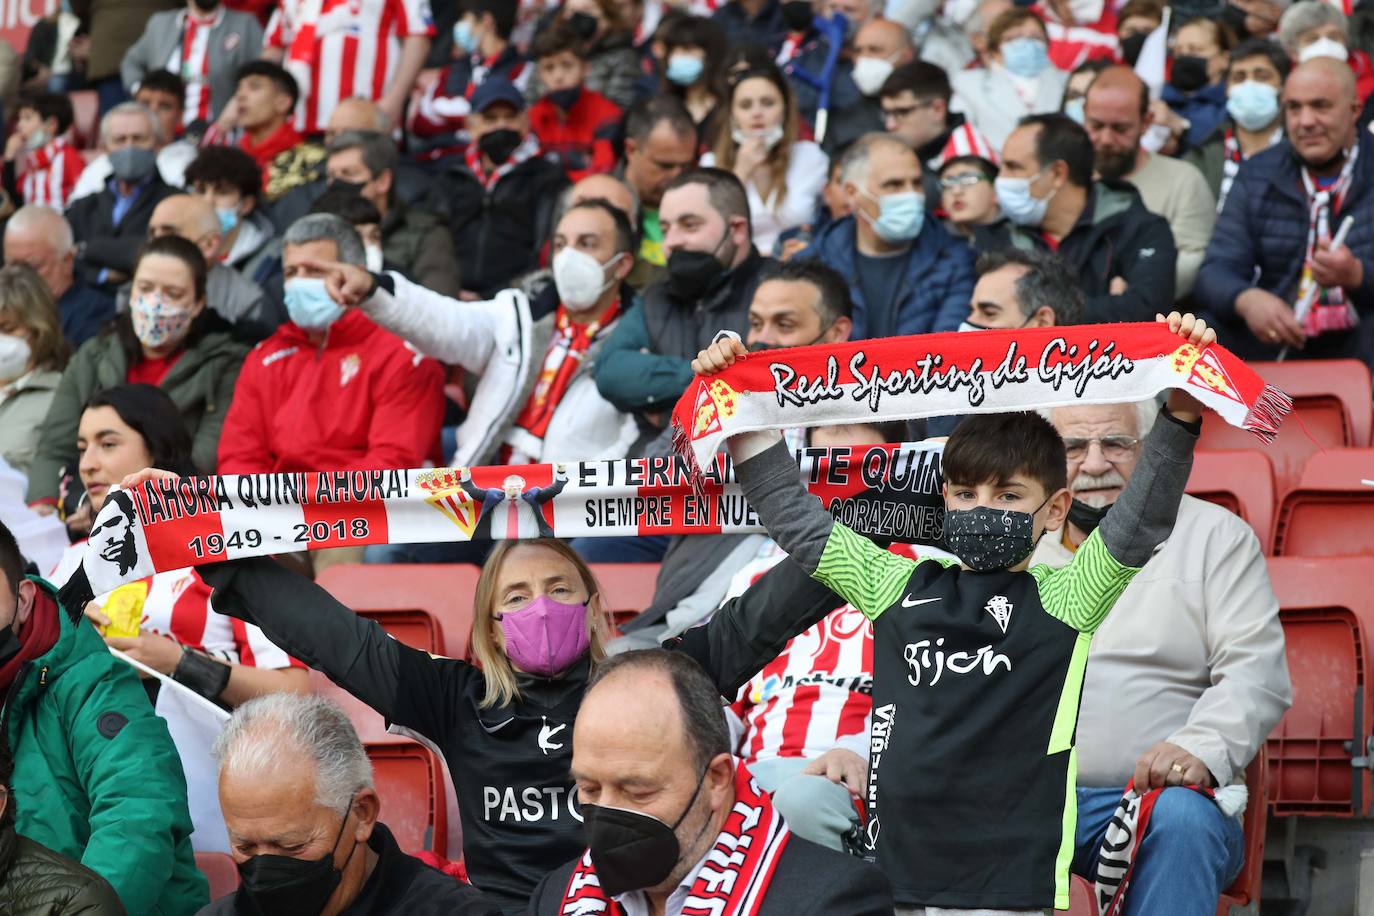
x,y
734,877
272,146
528,149
36,635
565,354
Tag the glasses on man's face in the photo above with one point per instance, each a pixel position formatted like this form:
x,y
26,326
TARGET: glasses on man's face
x,y
959,182
904,111
1114,448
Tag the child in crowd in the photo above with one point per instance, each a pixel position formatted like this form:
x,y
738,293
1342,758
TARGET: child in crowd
x,y
41,166
967,193
575,125
978,662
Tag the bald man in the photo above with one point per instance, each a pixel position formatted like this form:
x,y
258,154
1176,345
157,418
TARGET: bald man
x,y
1116,117
356,114
619,195
233,296
1260,265
880,46
41,238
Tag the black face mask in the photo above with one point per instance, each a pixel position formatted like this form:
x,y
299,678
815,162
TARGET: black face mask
x,y
565,99
499,144
584,24
1131,46
283,886
1189,73
797,15
694,274
630,850
762,347
339,184
1235,17
986,539
9,640
1084,517
207,5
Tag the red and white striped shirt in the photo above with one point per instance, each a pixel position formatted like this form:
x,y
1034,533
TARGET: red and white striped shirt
x,y
1071,45
343,49
50,174
191,59
964,140
177,604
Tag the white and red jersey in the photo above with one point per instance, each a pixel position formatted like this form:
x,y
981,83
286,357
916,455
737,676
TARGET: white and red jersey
x,y
1071,45
50,174
191,60
177,604
964,140
342,49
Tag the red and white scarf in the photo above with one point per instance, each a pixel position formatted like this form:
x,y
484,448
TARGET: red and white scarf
x,y
528,149
1330,310
931,375
1116,860
733,878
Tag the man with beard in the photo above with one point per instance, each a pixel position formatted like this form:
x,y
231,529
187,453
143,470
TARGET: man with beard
x,y
1185,679
1116,116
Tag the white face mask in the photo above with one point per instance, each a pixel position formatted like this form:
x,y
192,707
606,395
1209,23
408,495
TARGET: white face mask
x,y
580,278
37,140
372,258
771,136
870,73
1323,47
1155,137
14,357
960,12
1086,12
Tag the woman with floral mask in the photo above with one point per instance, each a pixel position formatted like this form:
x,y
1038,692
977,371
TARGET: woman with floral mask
x,y
32,354
169,339
1019,80
502,717
782,175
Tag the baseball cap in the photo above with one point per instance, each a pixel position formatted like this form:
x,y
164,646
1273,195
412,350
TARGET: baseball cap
x,y
497,89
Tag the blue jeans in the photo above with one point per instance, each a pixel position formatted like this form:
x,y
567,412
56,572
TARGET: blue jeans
x,y
1191,853
647,548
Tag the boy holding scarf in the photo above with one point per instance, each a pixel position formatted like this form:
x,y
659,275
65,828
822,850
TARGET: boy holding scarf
x,y
976,693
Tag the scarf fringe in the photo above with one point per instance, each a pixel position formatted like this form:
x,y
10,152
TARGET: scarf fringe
x,y
1271,408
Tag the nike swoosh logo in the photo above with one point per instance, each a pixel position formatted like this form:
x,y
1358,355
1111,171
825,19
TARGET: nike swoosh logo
x,y
907,602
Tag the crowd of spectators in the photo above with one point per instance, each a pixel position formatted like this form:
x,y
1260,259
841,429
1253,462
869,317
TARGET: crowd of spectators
x,y
548,211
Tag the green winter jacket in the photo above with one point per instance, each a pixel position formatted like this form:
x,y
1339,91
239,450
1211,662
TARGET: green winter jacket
x,y
96,775
201,383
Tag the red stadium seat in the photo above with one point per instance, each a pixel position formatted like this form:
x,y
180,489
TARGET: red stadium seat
x,y
1081,897
1246,888
1330,512
425,606
1327,621
408,776
85,117
1241,481
219,869
627,588
1331,401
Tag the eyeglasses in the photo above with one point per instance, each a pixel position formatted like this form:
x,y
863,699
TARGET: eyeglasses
x,y
1114,448
966,180
898,114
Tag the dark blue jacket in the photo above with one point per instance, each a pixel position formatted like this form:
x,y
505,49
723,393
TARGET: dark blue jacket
x,y
743,29
1204,109
935,292
1263,228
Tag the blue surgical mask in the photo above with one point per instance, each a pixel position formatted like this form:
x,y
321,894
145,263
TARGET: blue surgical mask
x,y
1016,201
1075,109
463,37
1253,105
684,69
308,304
228,219
900,215
1027,57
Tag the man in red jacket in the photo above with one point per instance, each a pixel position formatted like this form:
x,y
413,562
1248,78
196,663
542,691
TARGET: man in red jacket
x,y
330,390
575,125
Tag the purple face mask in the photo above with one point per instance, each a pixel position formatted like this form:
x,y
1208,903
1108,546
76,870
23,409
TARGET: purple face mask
x,y
546,636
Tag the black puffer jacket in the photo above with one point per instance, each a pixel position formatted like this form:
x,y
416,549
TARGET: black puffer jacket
x,y
35,881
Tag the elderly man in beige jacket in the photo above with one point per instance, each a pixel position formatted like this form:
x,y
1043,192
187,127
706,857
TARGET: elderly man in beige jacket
x,y
1185,679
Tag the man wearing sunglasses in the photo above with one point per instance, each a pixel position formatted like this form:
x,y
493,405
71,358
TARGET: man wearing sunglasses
x,y
1185,679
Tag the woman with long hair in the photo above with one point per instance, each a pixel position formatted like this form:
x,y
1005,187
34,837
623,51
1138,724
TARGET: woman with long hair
x,y
168,338
32,355
690,51
782,175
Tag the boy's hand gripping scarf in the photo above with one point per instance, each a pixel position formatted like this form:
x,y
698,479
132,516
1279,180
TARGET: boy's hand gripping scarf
x,y
735,875
885,491
1116,860
930,375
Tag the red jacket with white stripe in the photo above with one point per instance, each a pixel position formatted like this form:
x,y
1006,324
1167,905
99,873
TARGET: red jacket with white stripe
x,y
1071,45
50,173
361,400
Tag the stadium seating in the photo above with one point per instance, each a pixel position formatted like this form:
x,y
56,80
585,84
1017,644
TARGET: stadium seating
x,y
1331,401
627,588
425,606
1329,512
1241,481
219,869
408,776
1327,619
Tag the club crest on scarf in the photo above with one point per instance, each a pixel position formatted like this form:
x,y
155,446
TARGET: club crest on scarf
x,y
716,401
1203,369
444,491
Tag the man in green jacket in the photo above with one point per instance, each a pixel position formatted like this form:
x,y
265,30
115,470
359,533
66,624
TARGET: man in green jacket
x,y
96,776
